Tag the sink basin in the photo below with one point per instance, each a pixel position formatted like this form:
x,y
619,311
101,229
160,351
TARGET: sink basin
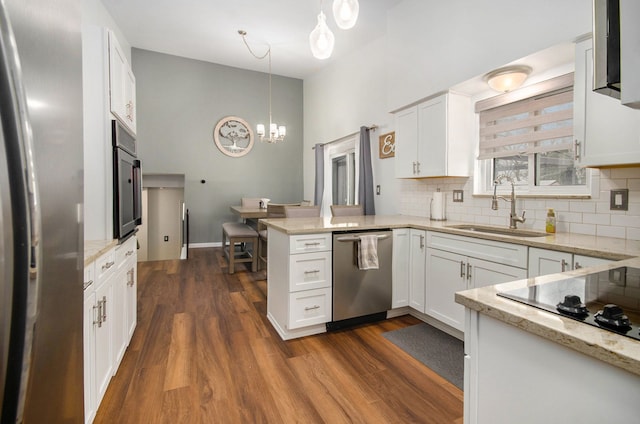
x,y
498,230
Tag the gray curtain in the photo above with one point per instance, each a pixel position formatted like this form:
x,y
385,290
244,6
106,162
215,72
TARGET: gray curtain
x,y
319,187
365,183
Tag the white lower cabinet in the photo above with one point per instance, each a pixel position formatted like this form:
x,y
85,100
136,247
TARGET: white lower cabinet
x,y
417,271
299,280
109,319
545,261
455,263
400,265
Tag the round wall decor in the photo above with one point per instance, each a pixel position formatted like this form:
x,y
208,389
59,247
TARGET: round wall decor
x,y
233,136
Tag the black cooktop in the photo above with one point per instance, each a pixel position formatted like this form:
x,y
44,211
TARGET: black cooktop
x,y
609,299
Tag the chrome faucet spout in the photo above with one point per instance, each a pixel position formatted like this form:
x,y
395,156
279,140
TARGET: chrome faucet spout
x,y
513,216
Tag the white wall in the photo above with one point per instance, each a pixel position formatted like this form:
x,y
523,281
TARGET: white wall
x,y
434,45
341,99
429,47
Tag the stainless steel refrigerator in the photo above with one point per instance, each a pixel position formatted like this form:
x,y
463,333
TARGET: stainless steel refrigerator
x,y
41,236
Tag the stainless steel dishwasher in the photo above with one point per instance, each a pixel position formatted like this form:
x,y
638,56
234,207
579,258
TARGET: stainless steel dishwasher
x,y
360,295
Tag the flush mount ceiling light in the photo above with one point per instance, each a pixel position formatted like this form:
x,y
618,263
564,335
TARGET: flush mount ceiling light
x,y
508,78
321,38
276,133
345,12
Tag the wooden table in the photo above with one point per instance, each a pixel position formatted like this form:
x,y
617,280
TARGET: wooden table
x,y
249,213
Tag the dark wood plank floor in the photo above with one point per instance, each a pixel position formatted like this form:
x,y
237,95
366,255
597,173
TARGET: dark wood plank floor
x,y
204,352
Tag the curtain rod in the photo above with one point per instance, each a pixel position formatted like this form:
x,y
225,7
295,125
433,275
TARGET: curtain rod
x,y
371,128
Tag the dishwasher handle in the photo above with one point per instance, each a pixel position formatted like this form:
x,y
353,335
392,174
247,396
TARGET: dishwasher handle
x,y
356,238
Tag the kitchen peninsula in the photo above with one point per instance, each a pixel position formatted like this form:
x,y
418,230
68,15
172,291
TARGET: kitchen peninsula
x,y
499,333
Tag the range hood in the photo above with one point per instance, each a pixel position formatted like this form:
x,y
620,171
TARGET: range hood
x,y
616,53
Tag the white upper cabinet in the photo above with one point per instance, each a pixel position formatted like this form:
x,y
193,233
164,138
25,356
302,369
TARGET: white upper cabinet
x,y
606,132
434,138
122,85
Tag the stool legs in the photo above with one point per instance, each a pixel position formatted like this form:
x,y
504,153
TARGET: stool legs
x,y
231,255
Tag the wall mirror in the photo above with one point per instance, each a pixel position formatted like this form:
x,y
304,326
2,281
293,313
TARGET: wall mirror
x,y
233,136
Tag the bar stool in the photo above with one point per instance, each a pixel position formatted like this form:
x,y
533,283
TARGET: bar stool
x,y
239,234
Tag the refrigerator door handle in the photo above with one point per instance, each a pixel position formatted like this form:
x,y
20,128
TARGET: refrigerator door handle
x,y
25,219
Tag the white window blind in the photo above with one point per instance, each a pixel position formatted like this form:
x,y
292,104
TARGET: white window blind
x,y
535,125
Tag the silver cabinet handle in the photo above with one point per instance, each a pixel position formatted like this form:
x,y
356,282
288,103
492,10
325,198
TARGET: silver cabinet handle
x,y
313,271
99,308
108,265
468,271
129,253
578,266
462,269
310,308
563,264
576,150
421,241
87,284
316,243
104,308
356,238
414,168
418,167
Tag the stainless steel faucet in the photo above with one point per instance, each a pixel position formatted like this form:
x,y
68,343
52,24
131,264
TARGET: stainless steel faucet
x,y
513,217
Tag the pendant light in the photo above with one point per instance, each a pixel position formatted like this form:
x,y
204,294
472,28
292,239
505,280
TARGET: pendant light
x,y
345,12
276,132
321,38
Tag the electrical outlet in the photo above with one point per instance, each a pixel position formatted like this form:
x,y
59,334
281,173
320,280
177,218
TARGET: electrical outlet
x,y
166,238
619,200
458,195
378,190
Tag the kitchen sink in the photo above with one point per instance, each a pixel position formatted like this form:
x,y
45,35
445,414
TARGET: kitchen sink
x,y
516,232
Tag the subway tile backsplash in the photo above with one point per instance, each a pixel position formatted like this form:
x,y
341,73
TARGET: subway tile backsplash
x,y
582,216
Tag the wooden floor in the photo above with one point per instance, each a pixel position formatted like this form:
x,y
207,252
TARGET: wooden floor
x,y
204,352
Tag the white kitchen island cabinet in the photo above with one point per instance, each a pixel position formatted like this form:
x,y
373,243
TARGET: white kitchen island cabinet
x,y
299,283
513,376
433,138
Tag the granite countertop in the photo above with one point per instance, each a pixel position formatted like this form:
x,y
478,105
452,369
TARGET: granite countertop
x,y
604,247
93,249
612,348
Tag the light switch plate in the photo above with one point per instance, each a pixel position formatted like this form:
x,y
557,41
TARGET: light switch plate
x,y
458,195
619,199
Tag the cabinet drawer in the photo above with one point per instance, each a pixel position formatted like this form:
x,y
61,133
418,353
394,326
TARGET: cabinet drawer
x,y
309,307
489,250
309,243
89,279
310,271
125,251
105,266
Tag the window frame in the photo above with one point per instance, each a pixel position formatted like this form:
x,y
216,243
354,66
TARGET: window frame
x,y
483,185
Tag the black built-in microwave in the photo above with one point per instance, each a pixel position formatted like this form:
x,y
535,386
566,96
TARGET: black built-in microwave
x,y
127,182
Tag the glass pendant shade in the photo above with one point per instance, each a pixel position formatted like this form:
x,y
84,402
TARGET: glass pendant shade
x,y
321,39
345,12
507,79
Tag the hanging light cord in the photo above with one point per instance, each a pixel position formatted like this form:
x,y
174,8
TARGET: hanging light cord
x,y
266,54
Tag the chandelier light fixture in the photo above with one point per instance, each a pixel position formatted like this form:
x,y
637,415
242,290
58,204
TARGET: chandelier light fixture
x,y
345,12
508,78
276,132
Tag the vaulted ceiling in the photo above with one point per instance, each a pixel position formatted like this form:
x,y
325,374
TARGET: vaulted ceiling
x,y
208,30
